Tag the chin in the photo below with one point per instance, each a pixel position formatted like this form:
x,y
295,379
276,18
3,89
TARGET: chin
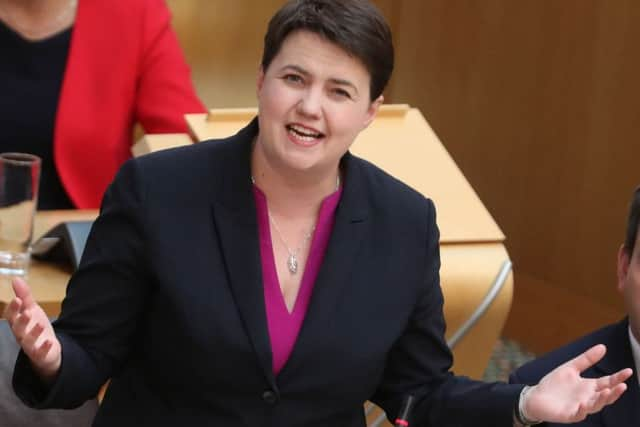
x,y
301,165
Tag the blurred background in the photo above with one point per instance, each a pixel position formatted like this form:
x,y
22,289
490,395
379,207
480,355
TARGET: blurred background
x,y
538,102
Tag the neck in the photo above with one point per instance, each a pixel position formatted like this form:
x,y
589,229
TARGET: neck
x,y
38,19
293,194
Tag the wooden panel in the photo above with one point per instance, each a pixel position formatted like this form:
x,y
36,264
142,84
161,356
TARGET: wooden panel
x,y
155,142
222,41
537,103
544,316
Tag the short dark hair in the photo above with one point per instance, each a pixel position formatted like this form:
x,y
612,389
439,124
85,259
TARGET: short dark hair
x,y
632,223
356,26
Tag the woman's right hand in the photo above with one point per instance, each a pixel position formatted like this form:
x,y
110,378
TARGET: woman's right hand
x,y
33,332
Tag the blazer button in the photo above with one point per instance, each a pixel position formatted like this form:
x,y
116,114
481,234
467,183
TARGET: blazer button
x,y
270,397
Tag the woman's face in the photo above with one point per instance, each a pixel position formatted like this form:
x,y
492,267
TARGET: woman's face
x,y
313,101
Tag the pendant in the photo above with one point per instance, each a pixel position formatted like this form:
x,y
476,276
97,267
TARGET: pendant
x,y
292,263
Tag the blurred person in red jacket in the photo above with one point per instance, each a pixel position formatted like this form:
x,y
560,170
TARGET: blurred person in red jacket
x,y
75,78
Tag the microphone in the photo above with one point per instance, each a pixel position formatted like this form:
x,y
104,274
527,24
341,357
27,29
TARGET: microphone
x,y
405,410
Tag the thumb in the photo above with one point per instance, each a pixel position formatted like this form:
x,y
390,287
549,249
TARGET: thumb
x,y
588,358
22,291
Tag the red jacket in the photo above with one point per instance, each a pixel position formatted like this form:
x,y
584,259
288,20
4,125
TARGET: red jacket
x,y
124,66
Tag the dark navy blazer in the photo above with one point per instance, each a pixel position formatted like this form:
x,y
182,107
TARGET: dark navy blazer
x,y
168,302
624,412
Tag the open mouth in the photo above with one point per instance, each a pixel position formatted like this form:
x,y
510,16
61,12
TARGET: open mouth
x,y
303,133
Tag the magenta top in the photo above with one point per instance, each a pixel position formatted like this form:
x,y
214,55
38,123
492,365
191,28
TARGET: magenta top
x,y
284,326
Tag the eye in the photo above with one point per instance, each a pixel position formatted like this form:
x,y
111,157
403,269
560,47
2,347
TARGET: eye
x,y
341,93
293,78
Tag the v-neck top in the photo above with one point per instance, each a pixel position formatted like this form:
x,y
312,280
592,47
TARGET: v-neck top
x,y
283,325
31,74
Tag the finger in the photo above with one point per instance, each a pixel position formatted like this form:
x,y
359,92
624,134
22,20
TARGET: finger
x,y
588,358
30,339
9,310
615,394
22,291
614,379
598,403
604,398
593,404
581,413
20,325
43,350
12,310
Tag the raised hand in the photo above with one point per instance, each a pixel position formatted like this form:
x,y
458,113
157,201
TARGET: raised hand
x,y
564,396
33,331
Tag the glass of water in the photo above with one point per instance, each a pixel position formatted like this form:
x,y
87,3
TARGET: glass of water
x,y
19,179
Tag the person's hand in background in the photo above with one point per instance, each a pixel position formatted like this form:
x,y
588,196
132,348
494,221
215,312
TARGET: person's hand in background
x,y
33,332
564,396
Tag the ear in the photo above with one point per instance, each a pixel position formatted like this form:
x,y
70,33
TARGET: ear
x,y
624,258
372,111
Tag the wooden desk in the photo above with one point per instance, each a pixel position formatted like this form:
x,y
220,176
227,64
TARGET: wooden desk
x,y
48,281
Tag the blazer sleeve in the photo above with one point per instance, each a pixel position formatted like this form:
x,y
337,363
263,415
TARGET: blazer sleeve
x,y
165,91
420,361
104,303
516,377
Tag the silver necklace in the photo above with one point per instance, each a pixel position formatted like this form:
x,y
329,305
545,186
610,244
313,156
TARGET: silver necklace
x,y
292,259
52,25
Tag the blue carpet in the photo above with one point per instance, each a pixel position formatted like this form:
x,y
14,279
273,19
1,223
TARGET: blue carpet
x,y
507,356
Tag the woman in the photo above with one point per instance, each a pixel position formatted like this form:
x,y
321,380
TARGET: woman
x,y
75,78
272,278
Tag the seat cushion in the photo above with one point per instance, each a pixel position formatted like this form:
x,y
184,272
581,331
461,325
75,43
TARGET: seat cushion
x,y
14,413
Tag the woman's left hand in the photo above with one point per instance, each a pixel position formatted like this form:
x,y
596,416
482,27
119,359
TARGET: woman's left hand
x,y
564,396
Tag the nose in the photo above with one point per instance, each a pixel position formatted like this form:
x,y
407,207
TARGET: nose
x,y
310,103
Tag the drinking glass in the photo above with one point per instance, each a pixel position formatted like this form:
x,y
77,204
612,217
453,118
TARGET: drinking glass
x,y
19,178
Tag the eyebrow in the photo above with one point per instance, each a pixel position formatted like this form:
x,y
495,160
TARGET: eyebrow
x,y
341,82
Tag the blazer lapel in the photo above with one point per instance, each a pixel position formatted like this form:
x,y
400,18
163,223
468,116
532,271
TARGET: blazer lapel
x,y
619,356
234,214
334,275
